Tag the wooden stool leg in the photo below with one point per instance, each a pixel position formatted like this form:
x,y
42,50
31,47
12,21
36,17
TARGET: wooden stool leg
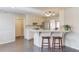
x,y
54,43
61,45
49,43
42,43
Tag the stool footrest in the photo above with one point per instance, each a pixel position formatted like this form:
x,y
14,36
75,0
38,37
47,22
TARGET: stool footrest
x,y
57,46
56,43
45,43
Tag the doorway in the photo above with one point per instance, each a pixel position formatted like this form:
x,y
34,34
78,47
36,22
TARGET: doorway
x,y
19,31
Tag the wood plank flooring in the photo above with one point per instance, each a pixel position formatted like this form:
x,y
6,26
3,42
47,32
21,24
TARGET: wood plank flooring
x,y
22,45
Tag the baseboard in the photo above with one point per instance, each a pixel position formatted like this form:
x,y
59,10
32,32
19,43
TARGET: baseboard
x,y
8,42
72,47
19,36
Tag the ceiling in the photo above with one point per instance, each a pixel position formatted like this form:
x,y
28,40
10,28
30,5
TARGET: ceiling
x,y
28,10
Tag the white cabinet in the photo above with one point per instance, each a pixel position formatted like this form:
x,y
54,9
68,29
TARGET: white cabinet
x,y
28,34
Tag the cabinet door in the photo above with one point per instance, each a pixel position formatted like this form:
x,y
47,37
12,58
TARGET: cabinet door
x,y
28,34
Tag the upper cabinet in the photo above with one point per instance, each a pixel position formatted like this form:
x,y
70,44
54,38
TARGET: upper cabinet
x,y
30,19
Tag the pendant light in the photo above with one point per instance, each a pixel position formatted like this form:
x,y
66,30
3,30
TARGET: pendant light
x,y
49,13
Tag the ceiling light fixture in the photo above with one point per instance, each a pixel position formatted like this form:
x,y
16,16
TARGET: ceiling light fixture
x,y
49,13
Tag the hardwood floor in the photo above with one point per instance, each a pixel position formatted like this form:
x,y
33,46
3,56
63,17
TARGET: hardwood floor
x,y
22,45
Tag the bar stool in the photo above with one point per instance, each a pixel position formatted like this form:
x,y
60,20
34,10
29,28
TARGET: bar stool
x,y
58,44
48,41
45,40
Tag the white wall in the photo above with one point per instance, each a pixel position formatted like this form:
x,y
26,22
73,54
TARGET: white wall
x,y
72,18
7,27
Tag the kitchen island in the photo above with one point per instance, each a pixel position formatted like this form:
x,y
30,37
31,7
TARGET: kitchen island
x,y
39,33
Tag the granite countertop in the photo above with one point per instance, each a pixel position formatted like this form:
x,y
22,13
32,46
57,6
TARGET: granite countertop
x,y
43,30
